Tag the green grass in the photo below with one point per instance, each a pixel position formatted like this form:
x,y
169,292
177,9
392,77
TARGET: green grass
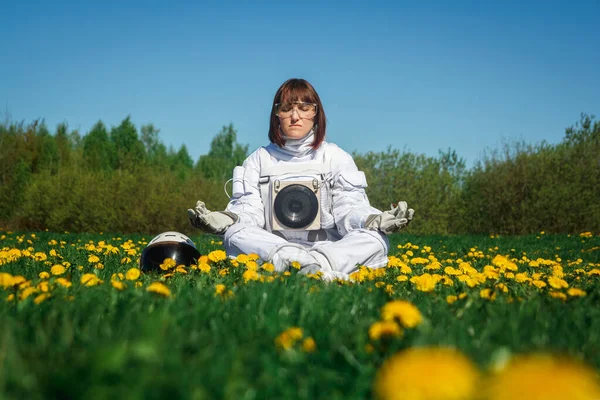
x,y
195,345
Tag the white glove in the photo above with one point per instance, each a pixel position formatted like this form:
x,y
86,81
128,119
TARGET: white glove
x,y
391,221
215,222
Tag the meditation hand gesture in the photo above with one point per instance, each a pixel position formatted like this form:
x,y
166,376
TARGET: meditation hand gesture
x,y
215,222
391,221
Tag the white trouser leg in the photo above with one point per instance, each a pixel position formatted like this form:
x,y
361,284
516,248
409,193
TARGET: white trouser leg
x,y
358,247
246,239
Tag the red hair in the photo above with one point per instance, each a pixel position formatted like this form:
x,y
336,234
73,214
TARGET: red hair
x,y
297,90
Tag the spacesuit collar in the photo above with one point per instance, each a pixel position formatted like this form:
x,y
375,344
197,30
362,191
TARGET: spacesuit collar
x,y
298,147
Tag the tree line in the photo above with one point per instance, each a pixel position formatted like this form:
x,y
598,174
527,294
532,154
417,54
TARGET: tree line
x,y
119,179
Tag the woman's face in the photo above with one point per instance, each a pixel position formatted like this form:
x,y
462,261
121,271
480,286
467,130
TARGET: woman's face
x,y
296,119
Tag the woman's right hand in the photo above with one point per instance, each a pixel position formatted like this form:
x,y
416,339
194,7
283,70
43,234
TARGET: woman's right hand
x,y
215,222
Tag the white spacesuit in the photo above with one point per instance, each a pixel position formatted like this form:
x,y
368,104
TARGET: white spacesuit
x,y
338,244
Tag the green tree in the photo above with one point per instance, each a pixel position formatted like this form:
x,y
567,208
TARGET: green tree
x,y
156,152
47,156
98,149
181,163
64,144
224,155
129,150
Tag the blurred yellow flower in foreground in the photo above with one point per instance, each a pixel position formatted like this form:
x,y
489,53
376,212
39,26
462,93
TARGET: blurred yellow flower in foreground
x,y
159,288
404,311
41,297
427,373
220,288
63,282
289,337
543,377
309,345
90,280
118,285
576,292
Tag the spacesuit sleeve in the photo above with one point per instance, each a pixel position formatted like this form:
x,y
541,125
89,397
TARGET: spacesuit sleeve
x,y
350,204
245,200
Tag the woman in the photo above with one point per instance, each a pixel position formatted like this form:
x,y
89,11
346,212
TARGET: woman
x,y
302,199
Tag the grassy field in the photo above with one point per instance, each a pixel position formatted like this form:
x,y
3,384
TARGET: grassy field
x,y
447,317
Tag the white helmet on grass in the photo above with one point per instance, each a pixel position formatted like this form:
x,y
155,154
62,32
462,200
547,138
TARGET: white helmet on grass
x,y
173,245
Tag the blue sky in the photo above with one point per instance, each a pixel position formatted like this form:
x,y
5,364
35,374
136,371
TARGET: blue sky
x,y
420,76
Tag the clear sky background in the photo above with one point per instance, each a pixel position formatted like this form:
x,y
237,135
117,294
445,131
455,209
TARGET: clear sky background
x,y
421,76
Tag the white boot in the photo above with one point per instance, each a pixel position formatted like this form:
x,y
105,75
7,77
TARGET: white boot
x,y
327,272
283,255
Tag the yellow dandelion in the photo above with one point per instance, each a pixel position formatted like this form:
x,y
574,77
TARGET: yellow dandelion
x,y
295,265
41,297
203,267
250,275
424,283
543,377
487,294
159,288
43,286
57,270
385,329
44,275
419,261
253,265
450,299
90,279
28,291
557,283
242,258
538,283
92,259
119,285
557,295
167,264
407,313
288,338
268,267
576,292
217,255
132,274
63,282
20,282
220,289
427,373
309,345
